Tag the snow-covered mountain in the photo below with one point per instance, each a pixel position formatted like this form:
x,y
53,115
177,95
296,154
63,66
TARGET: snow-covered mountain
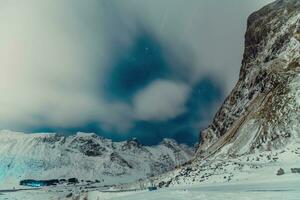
x,y
257,129
263,110
84,156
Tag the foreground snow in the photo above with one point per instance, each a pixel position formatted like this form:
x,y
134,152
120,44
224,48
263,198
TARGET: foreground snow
x,y
248,177
277,189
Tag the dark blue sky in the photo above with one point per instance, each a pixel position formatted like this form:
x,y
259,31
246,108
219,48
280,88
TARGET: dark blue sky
x,y
135,67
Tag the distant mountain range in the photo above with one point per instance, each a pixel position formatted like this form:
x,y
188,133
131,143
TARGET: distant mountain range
x,y
86,157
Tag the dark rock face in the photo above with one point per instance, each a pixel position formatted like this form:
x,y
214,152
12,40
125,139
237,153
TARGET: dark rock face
x,y
131,144
114,157
88,146
51,139
270,63
69,195
73,180
280,172
264,25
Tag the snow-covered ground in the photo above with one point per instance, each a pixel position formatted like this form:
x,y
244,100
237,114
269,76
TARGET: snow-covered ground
x,y
279,188
268,190
252,176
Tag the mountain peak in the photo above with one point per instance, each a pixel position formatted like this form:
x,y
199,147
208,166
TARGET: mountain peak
x,y
262,111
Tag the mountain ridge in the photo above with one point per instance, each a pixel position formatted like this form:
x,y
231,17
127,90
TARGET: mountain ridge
x,y
85,156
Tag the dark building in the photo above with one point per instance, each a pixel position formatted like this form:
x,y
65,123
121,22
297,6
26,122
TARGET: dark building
x,y
38,183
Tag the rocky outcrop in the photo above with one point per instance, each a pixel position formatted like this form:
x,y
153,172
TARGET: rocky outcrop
x,y
263,110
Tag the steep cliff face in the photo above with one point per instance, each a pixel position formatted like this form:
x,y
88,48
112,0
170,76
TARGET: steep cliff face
x,y
263,110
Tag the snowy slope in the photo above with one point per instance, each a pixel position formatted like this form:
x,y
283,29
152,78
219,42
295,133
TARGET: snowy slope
x,y
268,190
84,156
251,169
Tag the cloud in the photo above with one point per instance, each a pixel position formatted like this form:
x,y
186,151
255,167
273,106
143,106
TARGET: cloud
x,y
161,100
56,57
51,60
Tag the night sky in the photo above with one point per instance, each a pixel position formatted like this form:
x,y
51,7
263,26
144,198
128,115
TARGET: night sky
x,y
131,71
143,69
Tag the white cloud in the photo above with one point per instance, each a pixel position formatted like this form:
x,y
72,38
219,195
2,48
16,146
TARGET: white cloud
x,y
51,61
54,54
161,100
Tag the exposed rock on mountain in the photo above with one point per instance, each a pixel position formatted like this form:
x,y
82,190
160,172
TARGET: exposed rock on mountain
x,y
84,156
263,110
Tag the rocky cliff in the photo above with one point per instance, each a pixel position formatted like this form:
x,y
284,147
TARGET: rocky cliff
x,y
263,110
